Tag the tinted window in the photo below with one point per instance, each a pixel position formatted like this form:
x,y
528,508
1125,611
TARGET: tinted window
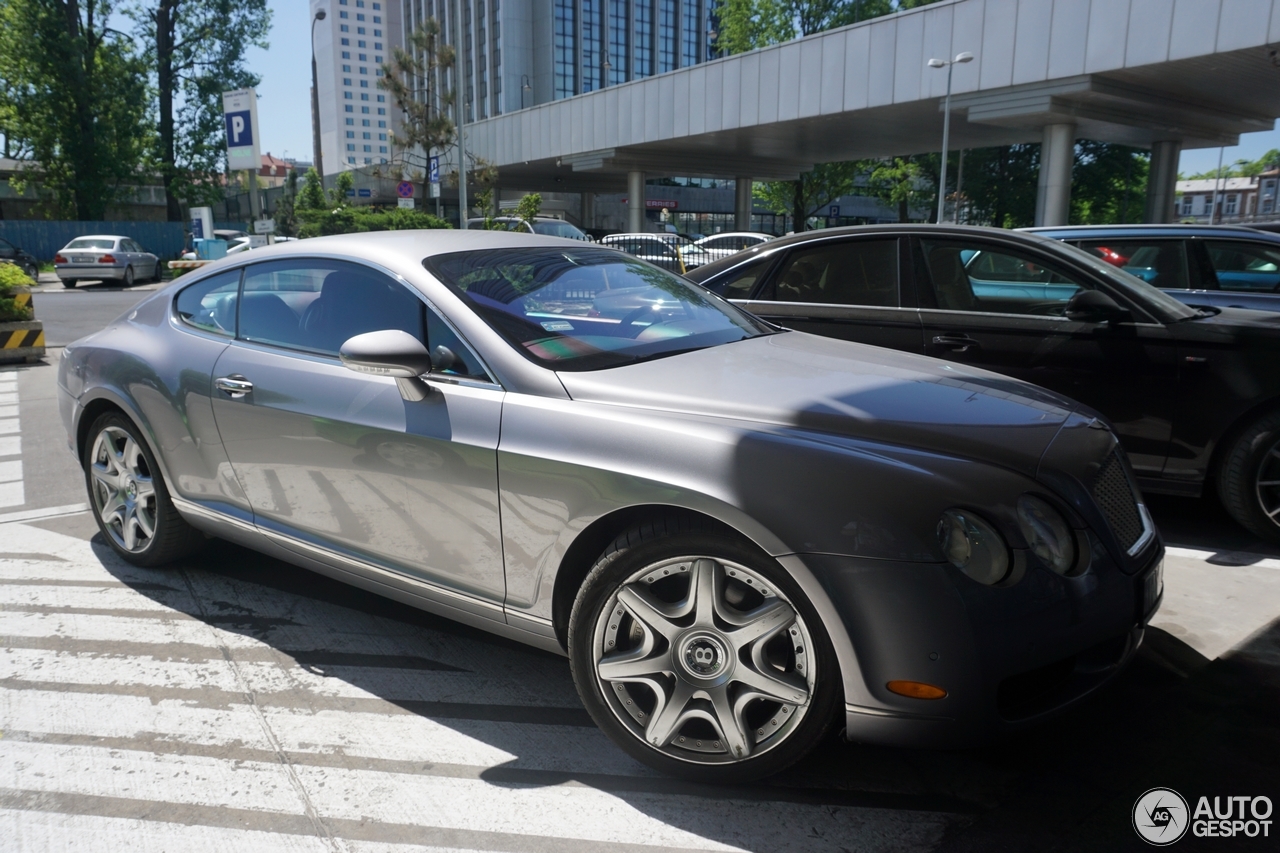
x,y
87,243
317,305
554,228
584,309
845,272
971,276
210,304
1159,262
1244,266
740,283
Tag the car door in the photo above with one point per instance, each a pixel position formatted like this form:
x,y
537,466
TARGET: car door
x,y
336,459
1247,273
1001,307
848,288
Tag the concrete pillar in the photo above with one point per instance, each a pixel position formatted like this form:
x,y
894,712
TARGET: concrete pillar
x,y
588,210
1057,156
742,203
635,202
1162,181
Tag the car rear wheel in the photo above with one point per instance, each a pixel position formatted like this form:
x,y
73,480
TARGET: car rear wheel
x,y
700,656
1249,479
128,276
32,271
129,498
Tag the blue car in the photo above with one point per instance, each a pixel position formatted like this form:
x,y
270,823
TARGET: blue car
x,y
1218,266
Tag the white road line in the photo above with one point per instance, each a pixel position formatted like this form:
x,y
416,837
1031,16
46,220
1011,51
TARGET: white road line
x,y
28,830
11,488
47,512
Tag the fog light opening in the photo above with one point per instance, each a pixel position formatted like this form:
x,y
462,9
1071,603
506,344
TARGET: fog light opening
x,y
916,690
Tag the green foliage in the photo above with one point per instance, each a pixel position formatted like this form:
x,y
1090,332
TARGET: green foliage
x,y
1108,183
194,51
744,25
354,220
528,208
898,183
12,276
1000,185
811,193
1240,168
73,99
312,195
342,189
415,81
286,215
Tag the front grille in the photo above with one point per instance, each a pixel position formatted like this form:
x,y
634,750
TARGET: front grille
x,y
1114,494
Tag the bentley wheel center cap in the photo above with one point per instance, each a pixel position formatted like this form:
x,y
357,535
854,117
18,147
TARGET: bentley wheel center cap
x,y
704,655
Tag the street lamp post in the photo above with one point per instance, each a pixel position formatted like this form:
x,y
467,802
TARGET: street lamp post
x,y
946,125
524,87
316,153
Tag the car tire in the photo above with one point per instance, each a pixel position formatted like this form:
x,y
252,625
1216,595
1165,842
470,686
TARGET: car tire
x,y
128,495
687,656
1250,464
128,277
32,271
70,282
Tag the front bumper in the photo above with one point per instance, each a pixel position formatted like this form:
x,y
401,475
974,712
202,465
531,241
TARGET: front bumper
x,y
1008,657
89,272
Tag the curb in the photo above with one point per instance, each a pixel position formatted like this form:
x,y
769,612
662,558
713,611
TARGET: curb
x,y
22,340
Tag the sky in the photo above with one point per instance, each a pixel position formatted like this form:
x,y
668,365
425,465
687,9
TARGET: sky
x,y
284,96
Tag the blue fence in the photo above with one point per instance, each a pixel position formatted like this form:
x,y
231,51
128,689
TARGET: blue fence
x,y
43,238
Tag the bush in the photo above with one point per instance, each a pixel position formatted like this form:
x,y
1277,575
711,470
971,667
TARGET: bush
x,y
356,220
11,277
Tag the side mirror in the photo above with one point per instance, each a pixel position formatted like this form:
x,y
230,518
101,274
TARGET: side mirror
x,y
390,353
442,358
1094,306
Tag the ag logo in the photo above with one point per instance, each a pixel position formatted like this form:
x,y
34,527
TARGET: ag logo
x,y
1160,816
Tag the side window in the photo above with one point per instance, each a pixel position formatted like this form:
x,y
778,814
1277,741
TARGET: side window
x,y
847,272
316,305
740,282
1159,262
970,276
1245,266
210,304
439,333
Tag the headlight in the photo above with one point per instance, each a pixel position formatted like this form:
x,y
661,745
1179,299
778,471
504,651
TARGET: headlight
x,y
1047,532
973,546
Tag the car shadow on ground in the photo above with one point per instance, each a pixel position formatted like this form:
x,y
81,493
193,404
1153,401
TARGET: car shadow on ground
x,y
1173,719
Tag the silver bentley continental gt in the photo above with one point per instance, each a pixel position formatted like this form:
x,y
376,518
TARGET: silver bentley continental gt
x,y
738,534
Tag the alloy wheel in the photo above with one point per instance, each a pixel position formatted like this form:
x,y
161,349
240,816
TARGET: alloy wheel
x,y
704,660
124,493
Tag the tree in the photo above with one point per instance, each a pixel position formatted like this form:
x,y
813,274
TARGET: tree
x,y
312,195
809,194
1108,183
74,96
528,208
1000,185
195,51
415,80
898,183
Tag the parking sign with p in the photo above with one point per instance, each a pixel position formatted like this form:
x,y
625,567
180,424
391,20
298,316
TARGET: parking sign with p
x,y
240,112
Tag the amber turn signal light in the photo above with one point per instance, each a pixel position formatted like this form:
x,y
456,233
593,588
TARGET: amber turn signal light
x,y
916,689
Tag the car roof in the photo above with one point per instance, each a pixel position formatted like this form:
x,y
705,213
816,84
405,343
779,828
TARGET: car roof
x,y
99,237
739,234
1160,230
414,246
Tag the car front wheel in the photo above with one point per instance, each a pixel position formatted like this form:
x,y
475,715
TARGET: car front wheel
x,y
129,498
700,655
1249,479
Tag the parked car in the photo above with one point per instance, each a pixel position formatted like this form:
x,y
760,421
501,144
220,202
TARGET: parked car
x,y
1194,394
722,245
738,534
105,257
548,226
25,261
672,252
235,245
1216,265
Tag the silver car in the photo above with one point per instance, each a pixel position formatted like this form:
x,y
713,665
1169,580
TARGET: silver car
x,y
719,246
739,535
105,257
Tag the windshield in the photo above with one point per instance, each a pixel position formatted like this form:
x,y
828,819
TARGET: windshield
x,y
92,243
1151,298
555,228
587,309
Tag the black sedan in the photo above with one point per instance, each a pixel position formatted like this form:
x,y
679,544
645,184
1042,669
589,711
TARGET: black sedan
x,y
1221,266
1194,393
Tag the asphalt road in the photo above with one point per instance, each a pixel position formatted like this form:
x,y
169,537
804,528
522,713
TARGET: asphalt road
x,y
238,702
71,313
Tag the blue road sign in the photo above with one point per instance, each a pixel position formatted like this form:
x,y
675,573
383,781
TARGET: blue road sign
x,y
433,170
835,211
239,129
365,193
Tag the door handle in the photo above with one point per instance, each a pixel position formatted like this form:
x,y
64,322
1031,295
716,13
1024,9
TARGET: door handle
x,y
234,385
956,343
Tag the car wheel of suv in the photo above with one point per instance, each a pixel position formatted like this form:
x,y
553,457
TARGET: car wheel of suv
x,y
700,656
129,498
1249,479
128,276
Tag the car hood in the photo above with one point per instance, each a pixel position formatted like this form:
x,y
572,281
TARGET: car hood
x,y
794,379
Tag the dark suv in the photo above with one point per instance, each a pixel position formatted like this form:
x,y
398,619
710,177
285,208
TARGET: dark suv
x,y
25,260
1222,266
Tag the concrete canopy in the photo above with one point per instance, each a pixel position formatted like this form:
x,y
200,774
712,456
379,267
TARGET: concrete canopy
x,y
1137,72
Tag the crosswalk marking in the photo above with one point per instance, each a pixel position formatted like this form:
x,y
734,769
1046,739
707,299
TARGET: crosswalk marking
x,y
11,488
182,710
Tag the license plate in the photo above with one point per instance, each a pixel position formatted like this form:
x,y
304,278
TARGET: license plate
x,y
1152,589
82,259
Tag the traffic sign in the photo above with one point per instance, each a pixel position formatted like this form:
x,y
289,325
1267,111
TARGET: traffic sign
x,y
264,226
240,114
364,192
405,202
835,211
404,189
433,170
